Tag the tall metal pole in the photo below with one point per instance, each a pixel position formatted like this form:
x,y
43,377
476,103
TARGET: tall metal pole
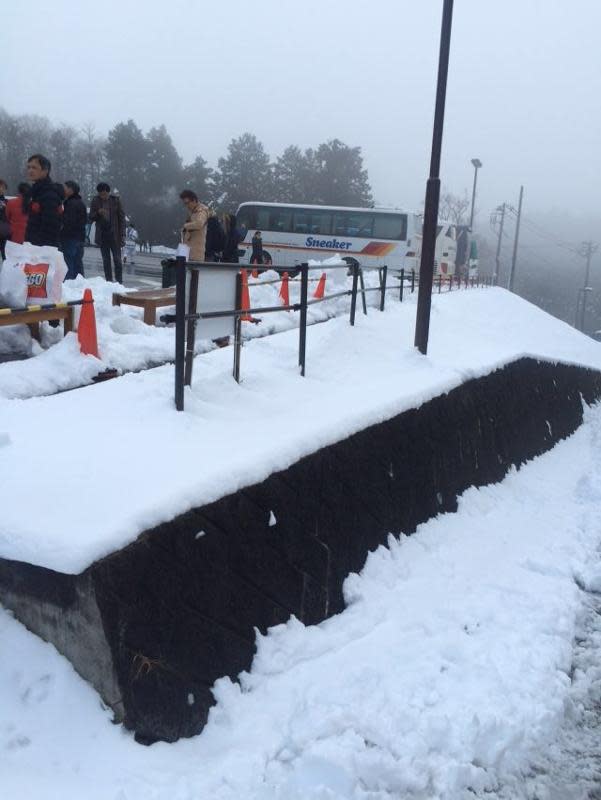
x,y
587,250
477,164
515,243
498,255
426,268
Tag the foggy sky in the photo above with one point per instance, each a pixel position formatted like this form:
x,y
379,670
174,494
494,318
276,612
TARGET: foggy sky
x,y
523,95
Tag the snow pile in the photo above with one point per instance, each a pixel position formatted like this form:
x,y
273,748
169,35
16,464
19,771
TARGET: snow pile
x,y
130,453
447,675
127,344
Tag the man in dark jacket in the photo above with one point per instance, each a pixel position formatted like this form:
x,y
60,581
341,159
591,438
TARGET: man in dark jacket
x,y
73,233
45,204
107,212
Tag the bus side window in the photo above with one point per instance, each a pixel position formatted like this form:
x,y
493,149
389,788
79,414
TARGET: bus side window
x,y
390,226
280,219
359,225
262,220
321,223
340,224
247,218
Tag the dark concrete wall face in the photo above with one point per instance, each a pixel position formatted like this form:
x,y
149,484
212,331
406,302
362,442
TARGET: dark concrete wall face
x,y
154,625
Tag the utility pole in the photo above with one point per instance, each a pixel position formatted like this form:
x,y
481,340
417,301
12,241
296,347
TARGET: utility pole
x,y
499,240
586,250
426,267
515,243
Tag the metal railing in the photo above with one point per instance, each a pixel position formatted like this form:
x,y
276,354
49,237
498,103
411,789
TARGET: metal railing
x,y
185,320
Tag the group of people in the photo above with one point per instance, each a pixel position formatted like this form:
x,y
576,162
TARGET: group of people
x,y
51,214
209,237
46,213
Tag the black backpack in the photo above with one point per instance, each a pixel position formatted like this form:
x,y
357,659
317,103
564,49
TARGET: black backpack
x,y
215,236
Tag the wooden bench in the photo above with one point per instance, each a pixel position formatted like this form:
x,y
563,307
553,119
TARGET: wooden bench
x,y
148,299
33,315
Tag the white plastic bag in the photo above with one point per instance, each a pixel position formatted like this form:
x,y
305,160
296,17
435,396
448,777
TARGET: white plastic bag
x,y
13,283
42,270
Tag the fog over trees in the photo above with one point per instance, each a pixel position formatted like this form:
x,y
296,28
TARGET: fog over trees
x,y
149,173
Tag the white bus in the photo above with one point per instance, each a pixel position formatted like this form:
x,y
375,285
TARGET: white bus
x,y
372,237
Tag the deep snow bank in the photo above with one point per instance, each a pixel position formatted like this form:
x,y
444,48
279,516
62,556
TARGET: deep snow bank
x,y
130,461
447,673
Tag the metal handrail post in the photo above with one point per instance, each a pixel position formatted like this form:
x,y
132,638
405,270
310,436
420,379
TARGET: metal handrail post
x,y
302,338
354,293
383,278
363,300
180,330
238,329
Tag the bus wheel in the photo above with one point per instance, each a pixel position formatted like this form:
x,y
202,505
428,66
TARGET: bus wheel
x,y
267,260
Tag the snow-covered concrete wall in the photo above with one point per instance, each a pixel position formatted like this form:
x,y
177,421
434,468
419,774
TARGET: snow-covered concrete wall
x,y
153,625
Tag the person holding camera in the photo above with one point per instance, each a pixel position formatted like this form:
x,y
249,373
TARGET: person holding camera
x,y
106,210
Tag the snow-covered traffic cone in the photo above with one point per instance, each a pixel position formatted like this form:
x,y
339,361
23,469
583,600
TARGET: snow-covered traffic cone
x,y
321,288
255,273
86,330
245,297
284,290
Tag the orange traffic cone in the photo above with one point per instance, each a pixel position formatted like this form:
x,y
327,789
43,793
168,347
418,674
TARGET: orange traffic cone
x,y
255,273
284,291
245,297
321,287
86,330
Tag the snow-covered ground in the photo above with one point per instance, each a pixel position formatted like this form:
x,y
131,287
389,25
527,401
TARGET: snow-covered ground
x,y
449,676
126,344
121,446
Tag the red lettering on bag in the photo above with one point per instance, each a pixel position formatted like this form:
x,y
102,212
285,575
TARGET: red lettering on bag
x,y
37,279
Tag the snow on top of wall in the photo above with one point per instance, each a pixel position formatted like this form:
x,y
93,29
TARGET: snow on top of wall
x,y
84,472
447,676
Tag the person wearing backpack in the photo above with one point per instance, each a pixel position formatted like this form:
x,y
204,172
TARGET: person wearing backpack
x,y
233,237
215,238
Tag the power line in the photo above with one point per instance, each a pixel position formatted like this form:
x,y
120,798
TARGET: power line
x,y
534,227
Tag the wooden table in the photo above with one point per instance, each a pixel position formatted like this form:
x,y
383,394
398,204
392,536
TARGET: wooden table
x,y
33,317
148,299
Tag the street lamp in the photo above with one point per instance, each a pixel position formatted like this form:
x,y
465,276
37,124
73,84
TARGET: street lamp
x,y
477,164
426,267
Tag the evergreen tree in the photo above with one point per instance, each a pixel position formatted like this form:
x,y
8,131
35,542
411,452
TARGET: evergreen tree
x,y
200,178
161,207
244,174
294,176
127,159
341,179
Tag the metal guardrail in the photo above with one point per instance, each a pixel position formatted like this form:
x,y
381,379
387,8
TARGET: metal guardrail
x,y
185,320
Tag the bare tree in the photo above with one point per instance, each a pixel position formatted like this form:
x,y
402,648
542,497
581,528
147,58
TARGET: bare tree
x,y
454,208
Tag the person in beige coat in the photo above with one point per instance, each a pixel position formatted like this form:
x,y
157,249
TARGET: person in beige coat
x,y
194,229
